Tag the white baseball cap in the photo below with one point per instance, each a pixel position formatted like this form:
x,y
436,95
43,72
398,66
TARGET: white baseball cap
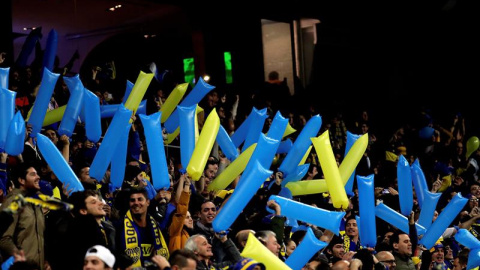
x,y
102,253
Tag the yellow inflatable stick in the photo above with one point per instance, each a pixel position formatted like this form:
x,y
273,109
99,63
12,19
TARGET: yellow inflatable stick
x,y
346,168
289,130
204,146
138,91
350,162
258,252
172,101
172,136
54,116
307,187
233,170
330,169
305,156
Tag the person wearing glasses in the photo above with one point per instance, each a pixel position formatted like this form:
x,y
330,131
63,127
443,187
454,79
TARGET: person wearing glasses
x,y
386,257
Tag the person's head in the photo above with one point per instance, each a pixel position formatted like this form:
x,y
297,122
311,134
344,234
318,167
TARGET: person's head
x,y
401,243
461,260
475,189
335,248
366,256
341,265
83,174
273,76
269,240
472,201
248,264
87,202
448,251
51,134
188,222
351,228
211,169
98,258
241,238
133,176
317,262
208,212
438,254
138,201
28,179
386,257
386,237
200,246
290,246
183,259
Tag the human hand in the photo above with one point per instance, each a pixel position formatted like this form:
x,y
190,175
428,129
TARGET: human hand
x,y
272,204
65,140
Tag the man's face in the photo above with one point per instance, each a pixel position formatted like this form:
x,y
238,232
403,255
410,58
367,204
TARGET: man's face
x,y
438,256
52,135
93,263
208,212
95,206
448,253
338,250
273,245
32,181
475,190
85,176
404,246
210,173
388,260
351,228
457,265
138,204
204,249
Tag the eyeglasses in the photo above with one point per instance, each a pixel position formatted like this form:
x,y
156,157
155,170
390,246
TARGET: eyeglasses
x,y
388,261
474,200
213,209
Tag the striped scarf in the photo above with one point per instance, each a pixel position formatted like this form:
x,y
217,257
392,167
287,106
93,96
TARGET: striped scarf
x,y
133,243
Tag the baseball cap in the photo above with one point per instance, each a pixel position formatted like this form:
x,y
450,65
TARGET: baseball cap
x,y
102,253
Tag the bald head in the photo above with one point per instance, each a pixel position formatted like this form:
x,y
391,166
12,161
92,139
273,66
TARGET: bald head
x,y
341,265
386,257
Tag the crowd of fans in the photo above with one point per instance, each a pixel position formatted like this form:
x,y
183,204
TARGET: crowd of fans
x,y
138,227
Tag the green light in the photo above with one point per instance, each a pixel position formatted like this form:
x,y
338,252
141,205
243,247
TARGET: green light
x,y
227,57
189,70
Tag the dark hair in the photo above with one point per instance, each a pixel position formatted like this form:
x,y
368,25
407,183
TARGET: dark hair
x,y
180,257
77,199
24,265
212,161
366,257
21,172
138,190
